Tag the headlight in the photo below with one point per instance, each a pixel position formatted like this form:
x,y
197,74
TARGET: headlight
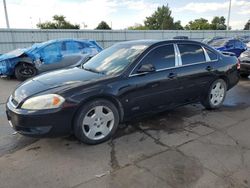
x,y
243,55
49,101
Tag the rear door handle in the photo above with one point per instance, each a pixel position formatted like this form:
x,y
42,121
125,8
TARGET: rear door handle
x,y
172,75
209,68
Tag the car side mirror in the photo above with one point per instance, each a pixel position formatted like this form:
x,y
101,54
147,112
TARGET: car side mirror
x,y
146,68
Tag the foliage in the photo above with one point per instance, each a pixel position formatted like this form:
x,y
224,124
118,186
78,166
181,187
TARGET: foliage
x,y
58,22
218,23
247,25
103,26
198,24
161,19
178,26
137,27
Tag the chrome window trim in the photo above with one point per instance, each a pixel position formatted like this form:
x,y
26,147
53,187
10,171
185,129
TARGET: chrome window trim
x,y
207,58
178,55
176,62
206,54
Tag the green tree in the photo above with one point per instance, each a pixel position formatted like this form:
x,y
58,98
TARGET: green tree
x,y
218,23
59,22
247,25
178,26
198,24
161,19
137,27
103,25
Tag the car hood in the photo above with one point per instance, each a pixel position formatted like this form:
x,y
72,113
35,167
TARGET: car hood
x,y
12,54
53,80
18,52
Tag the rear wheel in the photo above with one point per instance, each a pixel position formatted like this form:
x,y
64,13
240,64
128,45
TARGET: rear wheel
x,y
96,122
216,95
24,71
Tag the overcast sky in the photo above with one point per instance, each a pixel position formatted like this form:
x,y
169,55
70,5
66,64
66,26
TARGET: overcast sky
x,y
121,13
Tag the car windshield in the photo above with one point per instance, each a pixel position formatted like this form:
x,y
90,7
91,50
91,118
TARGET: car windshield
x,y
114,59
218,43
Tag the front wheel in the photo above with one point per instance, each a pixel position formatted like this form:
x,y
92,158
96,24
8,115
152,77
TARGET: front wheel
x,y
216,95
24,71
96,122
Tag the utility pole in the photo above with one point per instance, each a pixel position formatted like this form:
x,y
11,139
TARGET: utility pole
x,y
229,14
6,14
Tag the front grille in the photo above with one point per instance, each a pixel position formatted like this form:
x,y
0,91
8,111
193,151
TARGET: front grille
x,y
13,101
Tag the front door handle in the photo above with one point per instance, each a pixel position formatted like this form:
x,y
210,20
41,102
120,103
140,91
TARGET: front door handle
x,y
172,75
209,68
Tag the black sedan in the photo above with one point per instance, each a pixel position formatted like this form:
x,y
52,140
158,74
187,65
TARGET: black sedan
x,y
124,81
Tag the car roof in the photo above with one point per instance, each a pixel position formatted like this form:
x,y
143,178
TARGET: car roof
x,y
139,42
45,43
150,42
69,39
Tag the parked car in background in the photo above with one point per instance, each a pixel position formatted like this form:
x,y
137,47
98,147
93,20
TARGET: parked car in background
x,y
126,80
245,63
235,46
244,38
46,56
248,45
181,37
210,40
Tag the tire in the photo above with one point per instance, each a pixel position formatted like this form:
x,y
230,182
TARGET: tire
x,y
215,96
244,75
93,125
24,71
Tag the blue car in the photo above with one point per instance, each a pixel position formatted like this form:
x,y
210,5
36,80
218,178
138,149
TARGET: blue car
x,y
47,56
235,46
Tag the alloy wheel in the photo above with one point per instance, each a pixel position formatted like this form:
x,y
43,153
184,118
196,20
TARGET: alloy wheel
x,y
217,94
98,122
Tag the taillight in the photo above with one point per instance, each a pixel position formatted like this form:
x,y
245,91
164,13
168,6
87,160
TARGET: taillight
x,y
238,64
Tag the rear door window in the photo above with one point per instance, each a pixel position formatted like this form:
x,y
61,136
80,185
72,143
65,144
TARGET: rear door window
x,y
191,53
211,54
161,57
238,44
72,46
230,44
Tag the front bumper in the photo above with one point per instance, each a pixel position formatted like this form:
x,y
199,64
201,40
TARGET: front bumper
x,y
6,68
45,123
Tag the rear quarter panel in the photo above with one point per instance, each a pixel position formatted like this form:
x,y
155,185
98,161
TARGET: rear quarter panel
x,y
227,67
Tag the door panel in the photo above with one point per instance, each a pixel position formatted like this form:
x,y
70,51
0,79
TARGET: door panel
x,y
195,79
156,90
72,52
51,57
195,74
153,91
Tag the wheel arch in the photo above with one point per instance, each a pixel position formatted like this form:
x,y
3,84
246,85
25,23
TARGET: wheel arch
x,y
24,62
223,77
109,98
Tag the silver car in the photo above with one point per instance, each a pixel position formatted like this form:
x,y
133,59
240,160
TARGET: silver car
x,y
46,56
